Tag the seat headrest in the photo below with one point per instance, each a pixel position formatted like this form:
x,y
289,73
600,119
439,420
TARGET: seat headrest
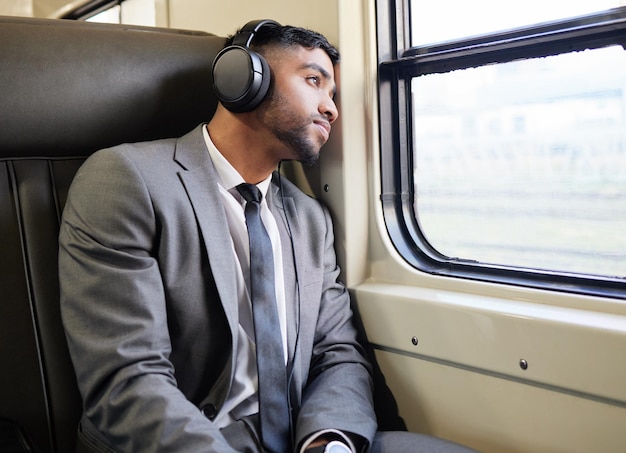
x,y
70,88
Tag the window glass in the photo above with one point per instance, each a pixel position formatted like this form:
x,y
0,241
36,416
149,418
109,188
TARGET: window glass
x,y
108,16
129,12
139,12
524,163
440,21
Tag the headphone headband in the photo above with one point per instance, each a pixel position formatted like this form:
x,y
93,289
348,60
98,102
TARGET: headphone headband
x,y
244,37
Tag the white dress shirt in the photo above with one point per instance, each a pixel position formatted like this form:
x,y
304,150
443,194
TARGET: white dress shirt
x,y
242,399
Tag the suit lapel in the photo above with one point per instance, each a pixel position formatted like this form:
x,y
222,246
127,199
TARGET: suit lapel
x,y
198,176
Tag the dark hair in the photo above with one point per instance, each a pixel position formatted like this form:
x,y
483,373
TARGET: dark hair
x,y
285,36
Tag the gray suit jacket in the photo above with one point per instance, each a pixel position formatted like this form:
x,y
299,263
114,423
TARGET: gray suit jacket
x,y
149,305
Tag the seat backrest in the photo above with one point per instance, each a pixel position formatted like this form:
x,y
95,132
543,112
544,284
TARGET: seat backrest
x,y
68,89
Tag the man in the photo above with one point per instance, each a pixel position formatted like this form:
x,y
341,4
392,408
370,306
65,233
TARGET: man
x,y
156,285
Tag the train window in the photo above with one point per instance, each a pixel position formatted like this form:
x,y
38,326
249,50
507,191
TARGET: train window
x,y
111,15
504,149
129,12
524,163
439,21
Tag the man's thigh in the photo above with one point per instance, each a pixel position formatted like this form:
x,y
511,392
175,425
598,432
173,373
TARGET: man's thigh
x,y
404,442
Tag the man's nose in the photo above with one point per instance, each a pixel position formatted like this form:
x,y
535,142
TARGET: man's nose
x,y
329,110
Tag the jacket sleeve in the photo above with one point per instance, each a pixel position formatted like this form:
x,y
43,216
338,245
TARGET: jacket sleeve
x,y
338,393
114,312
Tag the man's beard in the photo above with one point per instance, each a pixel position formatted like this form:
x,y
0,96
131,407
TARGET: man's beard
x,y
296,139
292,131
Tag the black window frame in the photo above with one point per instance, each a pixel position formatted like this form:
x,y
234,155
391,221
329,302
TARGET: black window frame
x,y
399,62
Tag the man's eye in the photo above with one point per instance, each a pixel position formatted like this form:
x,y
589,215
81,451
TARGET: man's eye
x,y
314,79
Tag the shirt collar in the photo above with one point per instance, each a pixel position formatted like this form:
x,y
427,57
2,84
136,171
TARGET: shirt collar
x,y
228,177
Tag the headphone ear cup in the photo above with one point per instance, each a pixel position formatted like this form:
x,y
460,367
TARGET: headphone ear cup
x,y
264,80
241,78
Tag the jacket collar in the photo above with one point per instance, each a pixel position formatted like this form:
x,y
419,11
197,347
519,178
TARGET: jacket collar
x,y
199,177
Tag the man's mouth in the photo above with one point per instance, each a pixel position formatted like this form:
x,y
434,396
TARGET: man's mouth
x,y
324,126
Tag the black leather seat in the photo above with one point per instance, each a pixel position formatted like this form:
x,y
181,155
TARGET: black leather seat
x,y
68,89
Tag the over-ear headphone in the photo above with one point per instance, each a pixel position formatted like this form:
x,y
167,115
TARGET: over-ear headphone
x,y
241,77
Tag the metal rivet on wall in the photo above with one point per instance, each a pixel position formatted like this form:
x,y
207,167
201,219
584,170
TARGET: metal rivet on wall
x,y
523,364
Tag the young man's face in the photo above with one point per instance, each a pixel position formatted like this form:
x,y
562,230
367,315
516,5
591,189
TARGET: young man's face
x,y
299,108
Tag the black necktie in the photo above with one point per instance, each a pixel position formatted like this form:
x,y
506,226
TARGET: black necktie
x,y
273,406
